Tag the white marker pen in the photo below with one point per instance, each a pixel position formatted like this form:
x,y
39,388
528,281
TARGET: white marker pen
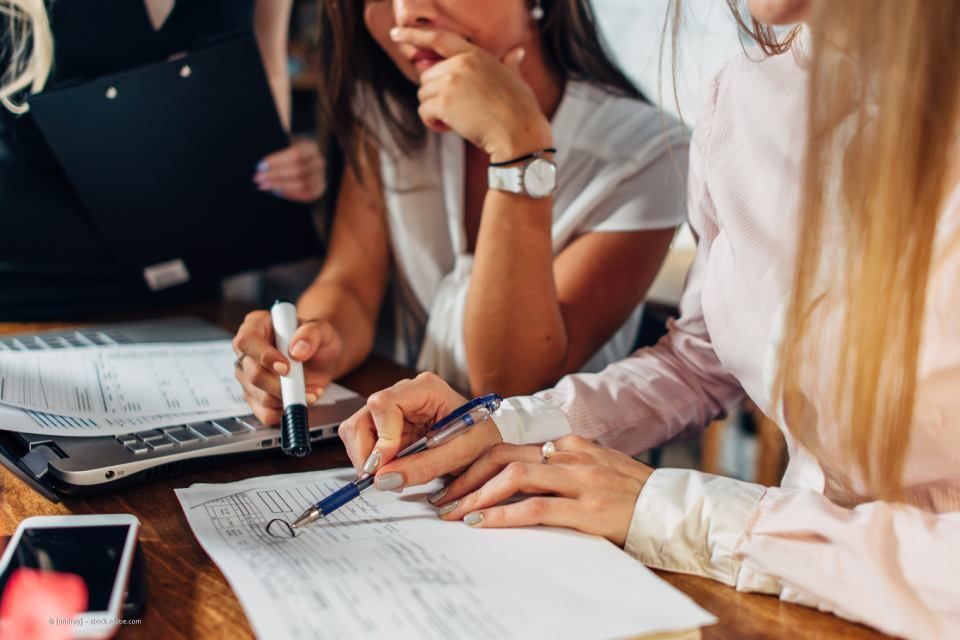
x,y
295,427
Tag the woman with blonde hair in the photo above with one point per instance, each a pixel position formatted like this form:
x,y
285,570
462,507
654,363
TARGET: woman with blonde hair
x,y
825,191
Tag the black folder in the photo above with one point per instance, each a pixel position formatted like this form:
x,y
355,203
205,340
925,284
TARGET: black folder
x,y
163,158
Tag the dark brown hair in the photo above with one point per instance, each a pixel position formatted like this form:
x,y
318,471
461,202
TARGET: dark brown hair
x,y
354,65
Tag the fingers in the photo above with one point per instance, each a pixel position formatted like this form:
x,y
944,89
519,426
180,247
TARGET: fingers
x,y
456,454
255,339
446,43
429,113
314,339
514,57
516,477
486,467
297,172
266,415
254,377
552,512
358,434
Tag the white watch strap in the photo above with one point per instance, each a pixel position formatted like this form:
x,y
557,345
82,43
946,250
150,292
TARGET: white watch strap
x,y
509,179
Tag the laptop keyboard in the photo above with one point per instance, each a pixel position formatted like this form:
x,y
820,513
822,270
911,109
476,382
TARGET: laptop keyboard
x,y
188,434
64,340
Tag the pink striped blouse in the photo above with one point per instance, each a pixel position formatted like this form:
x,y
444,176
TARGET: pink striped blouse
x,y
816,539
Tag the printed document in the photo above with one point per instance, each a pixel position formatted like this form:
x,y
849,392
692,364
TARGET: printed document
x,y
385,566
123,381
113,390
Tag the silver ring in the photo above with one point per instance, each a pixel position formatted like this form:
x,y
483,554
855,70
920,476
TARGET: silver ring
x,y
547,451
238,363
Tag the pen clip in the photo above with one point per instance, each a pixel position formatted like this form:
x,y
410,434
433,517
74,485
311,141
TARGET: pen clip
x,y
491,401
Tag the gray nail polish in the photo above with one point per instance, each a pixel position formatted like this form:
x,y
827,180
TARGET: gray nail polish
x,y
449,508
372,462
388,481
262,166
438,496
474,518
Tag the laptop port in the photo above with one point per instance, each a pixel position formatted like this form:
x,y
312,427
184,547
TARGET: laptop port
x,y
266,443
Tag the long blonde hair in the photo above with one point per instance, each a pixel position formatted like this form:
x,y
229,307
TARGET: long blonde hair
x,y
883,100
28,48
883,104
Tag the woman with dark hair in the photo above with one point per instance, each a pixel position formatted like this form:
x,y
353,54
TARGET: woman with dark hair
x,y
523,190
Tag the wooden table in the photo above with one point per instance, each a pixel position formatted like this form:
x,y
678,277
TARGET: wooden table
x,y
189,598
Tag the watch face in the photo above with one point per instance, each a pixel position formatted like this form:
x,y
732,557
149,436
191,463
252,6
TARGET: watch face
x,y
540,178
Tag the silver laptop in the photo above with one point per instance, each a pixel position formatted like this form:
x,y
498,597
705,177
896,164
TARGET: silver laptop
x,y
81,465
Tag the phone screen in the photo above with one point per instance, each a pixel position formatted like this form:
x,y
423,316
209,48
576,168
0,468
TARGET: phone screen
x,y
93,553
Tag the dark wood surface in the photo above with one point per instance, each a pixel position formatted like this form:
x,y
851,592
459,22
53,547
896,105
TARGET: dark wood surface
x,y
188,597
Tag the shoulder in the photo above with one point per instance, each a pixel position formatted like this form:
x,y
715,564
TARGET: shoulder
x,y
754,100
596,123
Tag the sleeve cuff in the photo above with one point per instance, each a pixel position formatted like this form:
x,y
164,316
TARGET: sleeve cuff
x,y
527,419
690,522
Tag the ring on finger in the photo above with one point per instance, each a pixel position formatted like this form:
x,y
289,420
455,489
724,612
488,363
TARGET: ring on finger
x,y
547,451
238,363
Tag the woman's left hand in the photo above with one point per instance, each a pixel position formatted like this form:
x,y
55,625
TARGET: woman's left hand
x,y
296,173
483,99
582,486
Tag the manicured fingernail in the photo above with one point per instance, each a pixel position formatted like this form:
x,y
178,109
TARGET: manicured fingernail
x,y
262,166
299,349
281,368
438,496
372,462
311,398
474,518
449,508
388,481
277,193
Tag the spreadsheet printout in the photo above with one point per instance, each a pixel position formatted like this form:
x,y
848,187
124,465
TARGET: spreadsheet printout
x,y
123,381
384,566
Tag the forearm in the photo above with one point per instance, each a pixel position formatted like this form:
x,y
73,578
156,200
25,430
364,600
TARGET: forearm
x,y
271,22
514,331
337,304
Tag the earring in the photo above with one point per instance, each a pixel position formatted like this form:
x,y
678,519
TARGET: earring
x,y
537,12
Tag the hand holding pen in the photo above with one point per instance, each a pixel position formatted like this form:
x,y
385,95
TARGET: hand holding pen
x,y
455,424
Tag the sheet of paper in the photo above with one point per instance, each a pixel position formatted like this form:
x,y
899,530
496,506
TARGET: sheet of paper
x,y
123,381
385,566
50,424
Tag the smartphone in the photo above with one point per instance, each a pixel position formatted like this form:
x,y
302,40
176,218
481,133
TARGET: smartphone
x,y
98,548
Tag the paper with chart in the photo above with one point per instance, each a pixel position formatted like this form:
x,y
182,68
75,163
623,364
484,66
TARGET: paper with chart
x,y
123,381
385,566
117,389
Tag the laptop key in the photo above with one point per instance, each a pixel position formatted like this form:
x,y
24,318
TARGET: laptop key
x,y
153,433
253,422
207,430
232,426
127,438
158,444
137,447
182,435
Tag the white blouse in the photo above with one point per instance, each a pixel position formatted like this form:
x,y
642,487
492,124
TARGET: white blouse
x,y
621,167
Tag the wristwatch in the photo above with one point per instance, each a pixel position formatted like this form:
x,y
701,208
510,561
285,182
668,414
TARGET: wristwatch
x,y
535,176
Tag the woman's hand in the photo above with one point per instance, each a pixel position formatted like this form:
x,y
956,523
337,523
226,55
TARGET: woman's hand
x,y
296,173
315,343
582,486
395,417
483,99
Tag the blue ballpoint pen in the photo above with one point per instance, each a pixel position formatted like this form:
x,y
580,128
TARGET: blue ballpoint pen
x,y
473,412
